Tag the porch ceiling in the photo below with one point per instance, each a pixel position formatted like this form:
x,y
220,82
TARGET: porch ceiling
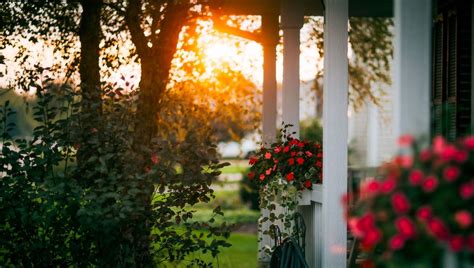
x,y
357,8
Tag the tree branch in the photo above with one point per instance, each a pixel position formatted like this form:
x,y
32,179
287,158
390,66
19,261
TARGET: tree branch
x,y
132,19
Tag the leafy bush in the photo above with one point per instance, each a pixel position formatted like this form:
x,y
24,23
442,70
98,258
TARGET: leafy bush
x,y
123,205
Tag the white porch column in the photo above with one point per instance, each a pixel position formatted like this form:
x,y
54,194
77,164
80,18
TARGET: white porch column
x,y
335,126
292,19
270,35
412,67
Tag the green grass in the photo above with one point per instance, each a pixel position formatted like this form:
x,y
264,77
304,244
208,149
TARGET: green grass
x,y
242,254
233,169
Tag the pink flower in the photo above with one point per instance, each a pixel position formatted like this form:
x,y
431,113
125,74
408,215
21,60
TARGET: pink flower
x,y
469,142
416,177
405,226
400,203
277,149
290,176
370,187
308,154
438,228
424,213
355,227
463,219
396,242
439,144
300,161
451,173
467,190
430,184
268,155
448,153
388,185
456,243
406,140
405,161
262,177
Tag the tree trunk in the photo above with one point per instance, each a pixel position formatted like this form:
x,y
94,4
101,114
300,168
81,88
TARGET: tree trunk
x,y
89,70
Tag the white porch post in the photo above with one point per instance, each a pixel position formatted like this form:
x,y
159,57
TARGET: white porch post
x,y
412,67
292,18
270,40
335,125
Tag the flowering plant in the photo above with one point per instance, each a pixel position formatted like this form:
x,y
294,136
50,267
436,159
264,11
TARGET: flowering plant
x,y
283,170
421,205
298,162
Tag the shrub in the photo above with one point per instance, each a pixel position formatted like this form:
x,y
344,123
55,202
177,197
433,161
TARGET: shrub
x,y
111,210
420,206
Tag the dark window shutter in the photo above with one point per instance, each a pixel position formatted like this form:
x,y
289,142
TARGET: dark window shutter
x,y
451,86
438,70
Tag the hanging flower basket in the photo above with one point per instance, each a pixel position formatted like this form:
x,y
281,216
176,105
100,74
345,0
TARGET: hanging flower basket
x,y
283,172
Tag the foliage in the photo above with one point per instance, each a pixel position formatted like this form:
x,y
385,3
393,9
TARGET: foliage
x,y
249,192
369,67
420,206
311,130
282,171
52,213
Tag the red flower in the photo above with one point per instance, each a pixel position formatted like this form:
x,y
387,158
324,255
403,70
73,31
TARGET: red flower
x,y
400,203
388,185
405,226
262,177
293,142
424,213
470,242
406,140
439,145
463,219
456,243
449,152
300,161
252,160
154,158
371,238
286,149
301,144
268,155
308,154
251,175
467,190
293,154
290,176
291,161
355,227
319,164
438,228
430,184
405,161
425,155
396,242
416,177
461,156
366,222
451,173
469,142
308,184
277,149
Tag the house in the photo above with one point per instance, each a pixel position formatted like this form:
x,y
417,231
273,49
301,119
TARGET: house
x,y
432,91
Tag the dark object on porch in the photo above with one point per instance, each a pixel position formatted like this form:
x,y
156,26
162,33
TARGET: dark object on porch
x,y
290,252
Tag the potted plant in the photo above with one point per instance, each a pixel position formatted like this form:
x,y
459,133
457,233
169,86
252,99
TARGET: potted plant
x,y
283,171
420,208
